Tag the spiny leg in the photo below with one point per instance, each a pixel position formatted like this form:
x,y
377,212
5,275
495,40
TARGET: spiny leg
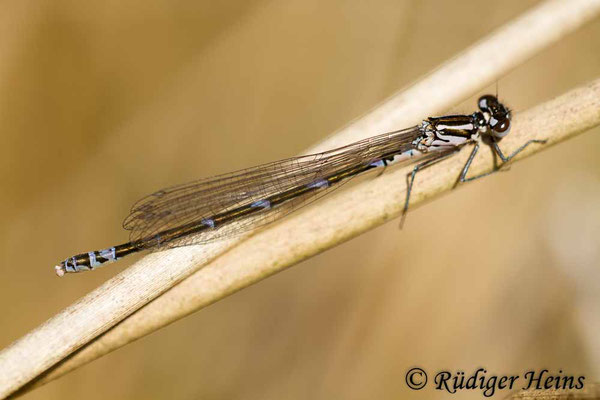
x,y
410,178
497,150
465,170
517,151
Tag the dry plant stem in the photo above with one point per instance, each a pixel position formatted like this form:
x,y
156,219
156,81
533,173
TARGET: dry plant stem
x,y
105,307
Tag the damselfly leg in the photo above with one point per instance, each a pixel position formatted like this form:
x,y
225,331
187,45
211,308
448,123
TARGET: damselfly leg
x,y
498,151
410,178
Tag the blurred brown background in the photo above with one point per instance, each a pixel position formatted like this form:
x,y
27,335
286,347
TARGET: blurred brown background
x,y
102,103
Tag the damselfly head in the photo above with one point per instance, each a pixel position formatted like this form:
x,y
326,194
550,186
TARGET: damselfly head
x,y
498,115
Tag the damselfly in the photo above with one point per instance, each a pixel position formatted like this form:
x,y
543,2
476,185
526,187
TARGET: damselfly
x,y
229,204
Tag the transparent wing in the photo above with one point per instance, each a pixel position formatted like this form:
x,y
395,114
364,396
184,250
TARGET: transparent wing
x,y
200,200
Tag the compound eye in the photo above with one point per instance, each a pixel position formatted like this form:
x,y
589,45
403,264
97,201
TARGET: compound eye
x,y
500,128
486,102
